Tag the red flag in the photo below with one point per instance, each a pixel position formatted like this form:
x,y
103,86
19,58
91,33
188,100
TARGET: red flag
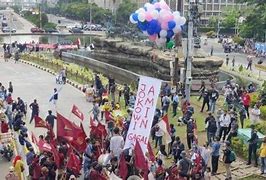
x,y
44,146
165,119
151,154
99,131
140,160
65,127
56,156
34,139
39,122
77,112
123,170
74,163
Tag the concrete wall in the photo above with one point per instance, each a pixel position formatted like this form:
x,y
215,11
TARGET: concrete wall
x,y
121,75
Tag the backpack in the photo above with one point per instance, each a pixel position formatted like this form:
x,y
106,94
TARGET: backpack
x,y
232,156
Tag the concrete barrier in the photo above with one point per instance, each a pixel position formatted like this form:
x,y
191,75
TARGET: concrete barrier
x,y
121,75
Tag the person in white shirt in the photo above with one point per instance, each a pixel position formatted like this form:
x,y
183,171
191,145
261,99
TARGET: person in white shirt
x,y
225,120
116,143
255,115
158,136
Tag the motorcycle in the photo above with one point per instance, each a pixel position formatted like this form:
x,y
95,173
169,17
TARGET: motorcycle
x,y
7,152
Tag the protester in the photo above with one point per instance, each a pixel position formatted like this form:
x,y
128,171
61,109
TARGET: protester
x,y
4,126
206,100
214,95
215,155
18,166
11,174
116,143
211,127
177,148
224,123
184,166
50,119
175,103
255,115
246,101
34,109
126,94
263,156
252,147
227,159
158,136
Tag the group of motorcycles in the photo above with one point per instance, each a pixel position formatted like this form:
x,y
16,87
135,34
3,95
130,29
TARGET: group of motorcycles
x,y
6,151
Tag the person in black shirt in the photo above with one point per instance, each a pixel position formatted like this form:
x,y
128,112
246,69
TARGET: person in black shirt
x,y
50,119
252,147
227,160
206,97
34,110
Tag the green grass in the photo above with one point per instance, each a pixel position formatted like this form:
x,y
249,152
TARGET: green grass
x,y
253,177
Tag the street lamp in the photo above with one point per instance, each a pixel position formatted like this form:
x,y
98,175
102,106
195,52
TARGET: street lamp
x,y
90,19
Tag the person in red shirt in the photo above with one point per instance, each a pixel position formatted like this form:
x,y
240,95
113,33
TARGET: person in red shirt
x,y
4,126
246,101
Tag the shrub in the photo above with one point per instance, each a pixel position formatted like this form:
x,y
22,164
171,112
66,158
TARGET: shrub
x,y
239,40
210,34
254,98
239,147
263,112
261,127
240,69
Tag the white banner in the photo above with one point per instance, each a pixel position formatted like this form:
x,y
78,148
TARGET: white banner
x,y
143,113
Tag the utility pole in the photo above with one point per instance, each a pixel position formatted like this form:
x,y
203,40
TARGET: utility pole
x,y
90,19
189,56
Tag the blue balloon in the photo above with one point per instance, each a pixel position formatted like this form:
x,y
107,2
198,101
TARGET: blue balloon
x,y
153,24
142,26
171,24
150,31
135,16
170,33
158,29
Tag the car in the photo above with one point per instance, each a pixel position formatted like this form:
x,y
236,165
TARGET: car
x,y
8,29
75,30
51,30
36,30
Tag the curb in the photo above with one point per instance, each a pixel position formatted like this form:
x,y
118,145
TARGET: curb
x,y
68,81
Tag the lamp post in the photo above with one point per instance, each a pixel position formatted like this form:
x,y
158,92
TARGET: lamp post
x,y
90,19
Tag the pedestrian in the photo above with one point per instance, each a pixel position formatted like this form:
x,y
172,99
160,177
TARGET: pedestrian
x,y
18,166
233,63
202,89
111,82
215,154
175,103
11,174
116,143
249,59
166,102
252,147
88,156
112,92
160,172
4,126
233,130
227,60
263,156
214,95
177,148
63,74
255,115
172,134
34,106
211,127
95,111
16,56
246,101
50,119
184,166
242,114
225,121
206,100
55,97
161,154
126,92
10,87
190,132
211,50
205,153
228,158
158,136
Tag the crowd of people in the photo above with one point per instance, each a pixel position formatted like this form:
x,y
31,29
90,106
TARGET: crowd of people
x,y
104,157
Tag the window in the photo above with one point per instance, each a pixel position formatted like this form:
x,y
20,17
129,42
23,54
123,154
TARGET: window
x,y
216,1
208,14
216,7
209,1
230,1
216,13
209,7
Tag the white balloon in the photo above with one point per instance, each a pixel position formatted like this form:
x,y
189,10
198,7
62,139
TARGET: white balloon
x,y
132,20
177,29
145,33
177,20
163,33
155,14
140,10
183,21
141,17
176,14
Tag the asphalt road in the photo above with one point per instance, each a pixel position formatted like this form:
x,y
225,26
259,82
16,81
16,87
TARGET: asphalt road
x,y
31,83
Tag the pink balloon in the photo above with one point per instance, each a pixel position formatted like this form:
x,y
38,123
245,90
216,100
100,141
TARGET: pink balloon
x,y
153,37
169,17
148,16
157,5
164,25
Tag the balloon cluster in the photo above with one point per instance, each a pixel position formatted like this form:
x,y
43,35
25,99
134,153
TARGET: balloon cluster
x,y
158,22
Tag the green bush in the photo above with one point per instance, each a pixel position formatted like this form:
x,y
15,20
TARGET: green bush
x,y
261,127
210,34
239,40
205,29
254,97
263,112
240,69
239,147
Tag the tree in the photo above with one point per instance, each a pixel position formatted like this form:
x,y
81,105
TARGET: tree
x,y
124,10
213,21
230,18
